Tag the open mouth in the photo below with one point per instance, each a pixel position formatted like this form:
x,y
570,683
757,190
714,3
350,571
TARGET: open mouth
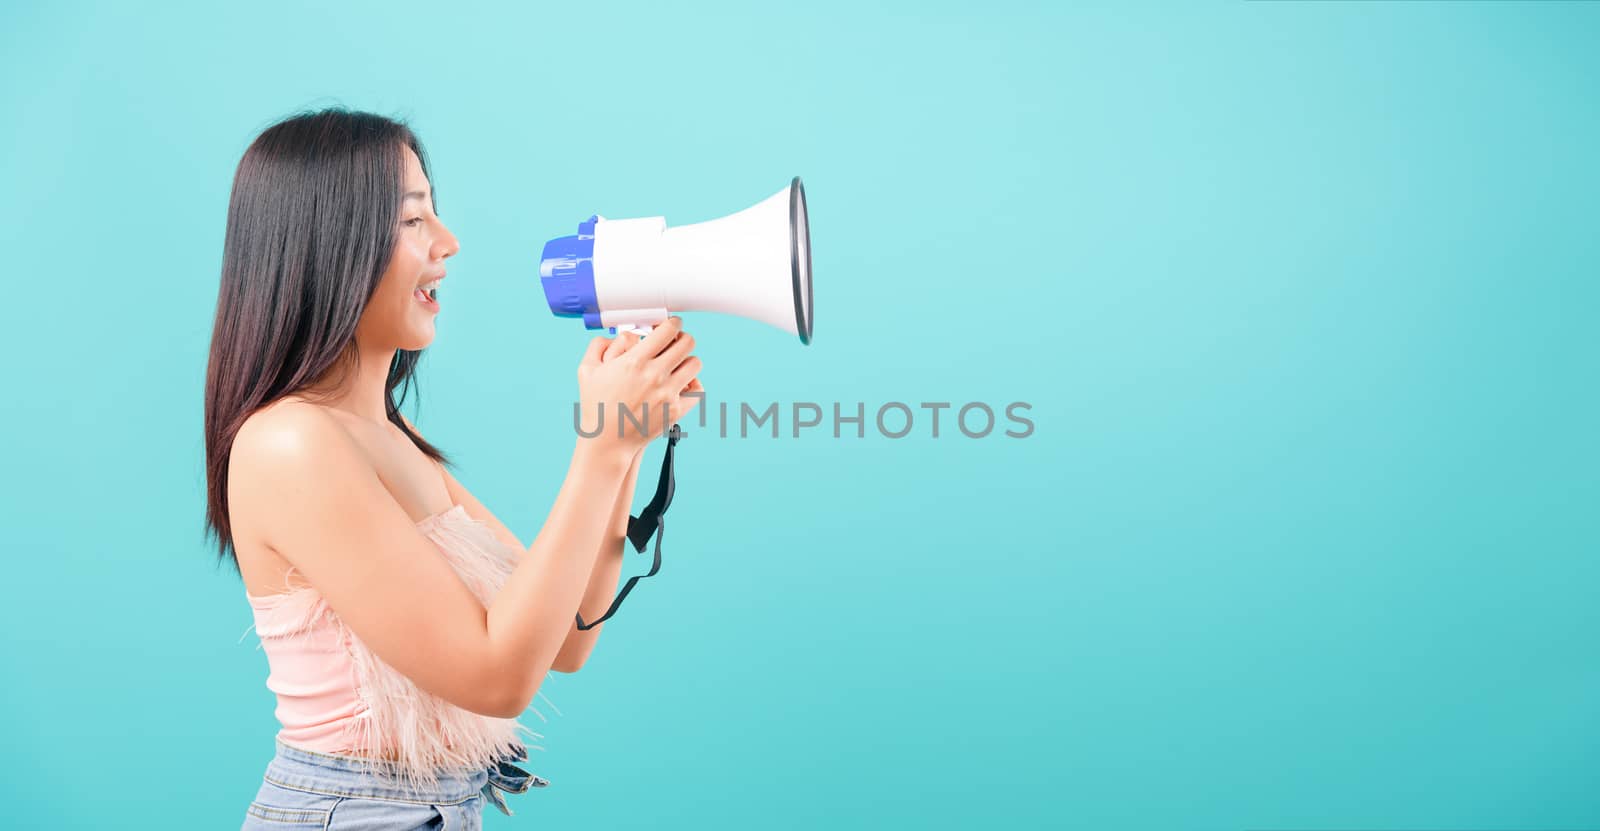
x,y
427,293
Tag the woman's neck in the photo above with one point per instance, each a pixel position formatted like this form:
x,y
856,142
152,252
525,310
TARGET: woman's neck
x,y
361,393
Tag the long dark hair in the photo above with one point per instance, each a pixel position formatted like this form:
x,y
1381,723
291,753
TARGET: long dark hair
x,y
311,227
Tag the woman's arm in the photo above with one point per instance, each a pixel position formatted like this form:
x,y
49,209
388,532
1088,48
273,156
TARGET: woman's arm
x,y
530,617
299,474
602,587
603,581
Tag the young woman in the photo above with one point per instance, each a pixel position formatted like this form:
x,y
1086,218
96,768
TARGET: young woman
x,y
405,626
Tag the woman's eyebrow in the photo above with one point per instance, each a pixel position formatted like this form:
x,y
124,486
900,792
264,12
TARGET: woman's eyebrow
x,y
416,194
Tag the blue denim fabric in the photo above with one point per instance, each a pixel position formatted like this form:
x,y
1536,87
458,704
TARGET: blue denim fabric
x,y
303,789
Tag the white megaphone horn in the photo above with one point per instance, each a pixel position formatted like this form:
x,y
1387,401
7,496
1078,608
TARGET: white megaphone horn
x,y
631,274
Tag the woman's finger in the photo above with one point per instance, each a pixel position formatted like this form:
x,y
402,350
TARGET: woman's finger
x,y
661,336
684,377
692,396
680,348
620,344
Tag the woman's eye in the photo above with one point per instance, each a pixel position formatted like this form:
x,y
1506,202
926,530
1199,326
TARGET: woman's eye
x,y
414,220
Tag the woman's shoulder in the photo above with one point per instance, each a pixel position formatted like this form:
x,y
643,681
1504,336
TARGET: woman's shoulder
x,y
288,427
283,444
276,451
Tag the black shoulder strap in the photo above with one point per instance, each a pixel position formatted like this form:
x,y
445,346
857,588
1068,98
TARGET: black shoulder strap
x,y
649,521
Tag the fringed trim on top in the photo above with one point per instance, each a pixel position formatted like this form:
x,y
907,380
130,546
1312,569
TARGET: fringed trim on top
x,y
425,733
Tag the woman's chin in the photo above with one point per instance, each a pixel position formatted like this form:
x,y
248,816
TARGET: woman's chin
x,y
419,337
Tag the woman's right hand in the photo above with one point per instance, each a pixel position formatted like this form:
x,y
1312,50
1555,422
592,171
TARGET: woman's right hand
x,y
653,373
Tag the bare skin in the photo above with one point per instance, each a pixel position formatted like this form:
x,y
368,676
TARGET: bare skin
x,y
324,485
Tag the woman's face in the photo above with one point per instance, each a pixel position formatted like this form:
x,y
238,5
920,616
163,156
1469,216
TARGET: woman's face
x,y
397,316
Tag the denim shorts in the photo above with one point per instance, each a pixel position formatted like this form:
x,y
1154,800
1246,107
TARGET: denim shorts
x,y
303,789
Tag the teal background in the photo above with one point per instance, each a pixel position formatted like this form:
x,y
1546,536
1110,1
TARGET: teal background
x,y
1302,296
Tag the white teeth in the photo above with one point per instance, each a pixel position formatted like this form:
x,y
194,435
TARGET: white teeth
x,y
427,287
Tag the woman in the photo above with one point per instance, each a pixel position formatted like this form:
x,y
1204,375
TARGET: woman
x,y
405,626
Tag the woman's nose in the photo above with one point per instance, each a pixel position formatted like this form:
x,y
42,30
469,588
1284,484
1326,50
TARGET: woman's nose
x,y
449,245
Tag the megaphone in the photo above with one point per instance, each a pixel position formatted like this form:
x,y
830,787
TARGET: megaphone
x,y
631,274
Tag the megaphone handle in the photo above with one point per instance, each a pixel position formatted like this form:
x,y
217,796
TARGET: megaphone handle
x,y
640,330
649,521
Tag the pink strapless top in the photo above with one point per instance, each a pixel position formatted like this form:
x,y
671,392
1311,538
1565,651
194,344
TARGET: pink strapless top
x,y
335,696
